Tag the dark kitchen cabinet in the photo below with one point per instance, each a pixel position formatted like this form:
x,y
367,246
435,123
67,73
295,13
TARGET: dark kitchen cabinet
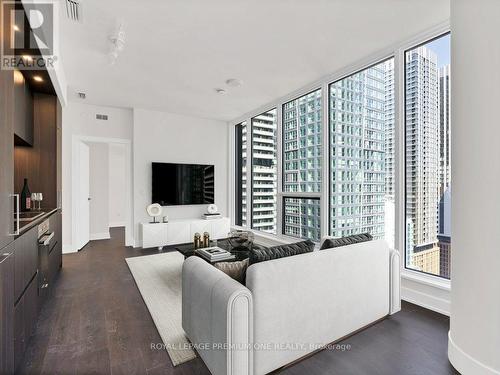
x,y
55,252
6,150
23,111
19,342
7,310
59,158
25,260
30,147
25,290
25,318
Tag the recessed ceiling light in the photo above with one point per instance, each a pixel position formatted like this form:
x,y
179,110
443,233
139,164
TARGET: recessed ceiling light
x,y
221,91
15,27
234,82
27,58
38,78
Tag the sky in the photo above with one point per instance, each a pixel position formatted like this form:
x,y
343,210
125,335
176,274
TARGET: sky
x,y
441,47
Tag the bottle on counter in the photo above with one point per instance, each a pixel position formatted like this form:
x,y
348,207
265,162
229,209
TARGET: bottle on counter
x,y
25,197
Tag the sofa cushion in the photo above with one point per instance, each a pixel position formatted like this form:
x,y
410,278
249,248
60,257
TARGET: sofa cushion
x,y
261,254
235,270
330,242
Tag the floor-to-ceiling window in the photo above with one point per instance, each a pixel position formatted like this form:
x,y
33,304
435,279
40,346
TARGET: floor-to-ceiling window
x,y
264,172
302,154
361,153
241,174
384,159
428,178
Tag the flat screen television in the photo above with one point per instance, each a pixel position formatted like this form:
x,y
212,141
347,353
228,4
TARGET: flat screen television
x,y
183,184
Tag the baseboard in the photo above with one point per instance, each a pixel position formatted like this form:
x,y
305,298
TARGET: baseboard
x,y
68,249
117,224
100,236
464,363
425,300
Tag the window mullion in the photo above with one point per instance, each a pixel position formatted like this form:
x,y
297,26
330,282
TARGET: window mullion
x,y
279,170
249,197
399,152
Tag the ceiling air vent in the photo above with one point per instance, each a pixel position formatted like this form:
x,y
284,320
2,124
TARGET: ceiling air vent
x,y
101,117
74,10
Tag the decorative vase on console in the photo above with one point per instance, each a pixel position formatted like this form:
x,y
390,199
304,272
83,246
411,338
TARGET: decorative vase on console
x,y
206,239
241,243
197,241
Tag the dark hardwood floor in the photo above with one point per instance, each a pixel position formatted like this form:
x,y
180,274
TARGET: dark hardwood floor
x,y
97,323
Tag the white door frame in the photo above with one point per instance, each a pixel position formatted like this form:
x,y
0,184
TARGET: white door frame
x,y
82,203
75,178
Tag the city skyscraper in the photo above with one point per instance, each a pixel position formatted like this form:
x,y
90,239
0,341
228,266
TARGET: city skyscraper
x,y
302,123
241,142
444,129
444,229
264,172
358,148
422,153
389,133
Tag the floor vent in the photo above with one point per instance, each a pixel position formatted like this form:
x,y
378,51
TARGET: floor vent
x,y
101,117
74,10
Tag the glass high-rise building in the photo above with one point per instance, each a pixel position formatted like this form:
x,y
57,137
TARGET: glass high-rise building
x,y
302,142
422,147
264,172
444,129
359,147
444,224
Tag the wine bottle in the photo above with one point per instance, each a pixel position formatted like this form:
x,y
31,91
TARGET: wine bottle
x,y
25,197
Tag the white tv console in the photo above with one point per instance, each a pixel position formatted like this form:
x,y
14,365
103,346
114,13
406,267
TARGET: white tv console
x,y
182,231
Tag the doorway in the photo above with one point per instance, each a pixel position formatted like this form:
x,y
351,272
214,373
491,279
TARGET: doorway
x,y
102,181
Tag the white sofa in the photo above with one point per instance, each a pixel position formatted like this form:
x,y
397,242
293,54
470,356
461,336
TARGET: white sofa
x,y
289,306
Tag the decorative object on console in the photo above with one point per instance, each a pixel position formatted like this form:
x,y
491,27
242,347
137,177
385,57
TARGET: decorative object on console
x,y
197,241
211,212
154,210
330,242
261,253
206,239
241,240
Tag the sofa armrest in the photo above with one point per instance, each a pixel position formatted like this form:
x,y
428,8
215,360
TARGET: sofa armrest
x,y
217,317
395,281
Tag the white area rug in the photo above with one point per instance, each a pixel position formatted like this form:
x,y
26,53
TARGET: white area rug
x,y
158,278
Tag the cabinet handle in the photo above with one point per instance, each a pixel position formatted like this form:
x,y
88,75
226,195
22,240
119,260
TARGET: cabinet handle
x,y
16,233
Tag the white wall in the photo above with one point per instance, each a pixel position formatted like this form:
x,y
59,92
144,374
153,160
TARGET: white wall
x,y
79,120
99,190
117,181
164,137
474,340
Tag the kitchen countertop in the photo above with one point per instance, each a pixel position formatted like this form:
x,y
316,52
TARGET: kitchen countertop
x,y
25,226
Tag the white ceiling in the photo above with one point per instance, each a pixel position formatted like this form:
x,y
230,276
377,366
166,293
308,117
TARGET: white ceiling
x,y
178,51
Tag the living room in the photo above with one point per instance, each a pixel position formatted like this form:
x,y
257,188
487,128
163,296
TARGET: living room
x,y
238,187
